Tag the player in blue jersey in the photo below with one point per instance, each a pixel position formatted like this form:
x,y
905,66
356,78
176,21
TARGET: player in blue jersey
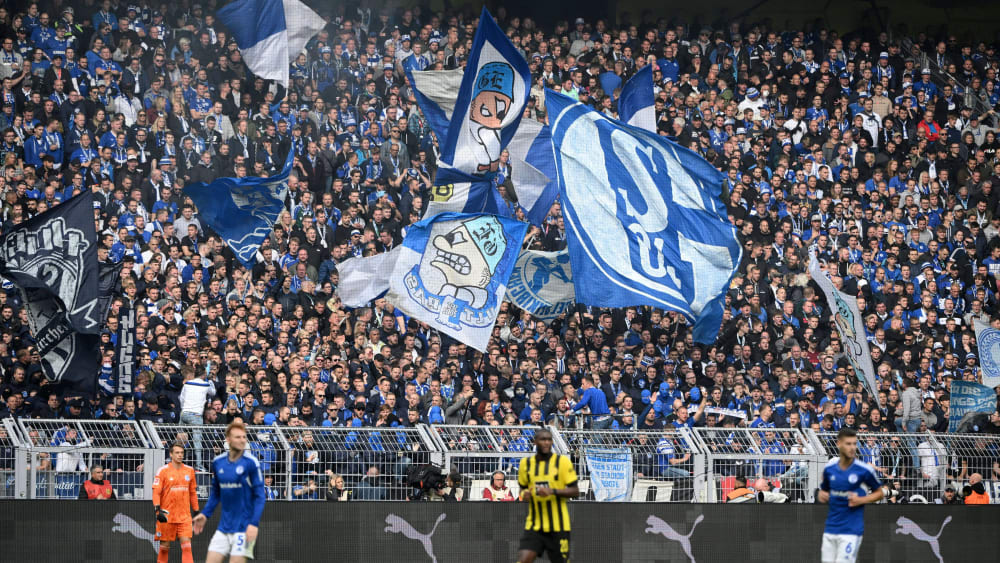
x,y
848,485
238,485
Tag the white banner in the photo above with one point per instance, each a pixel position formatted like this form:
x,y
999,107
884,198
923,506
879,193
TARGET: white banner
x,y
850,325
610,474
736,413
364,279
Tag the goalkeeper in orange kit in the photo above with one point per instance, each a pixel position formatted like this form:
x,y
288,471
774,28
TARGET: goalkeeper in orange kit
x,y
175,497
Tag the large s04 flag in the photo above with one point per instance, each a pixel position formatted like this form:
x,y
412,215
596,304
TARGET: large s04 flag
x,y
270,33
645,224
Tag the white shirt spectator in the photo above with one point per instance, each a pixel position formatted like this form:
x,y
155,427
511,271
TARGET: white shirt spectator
x,y
71,460
194,394
932,462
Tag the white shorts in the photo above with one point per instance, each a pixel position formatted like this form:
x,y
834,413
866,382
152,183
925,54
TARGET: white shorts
x,y
840,548
231,544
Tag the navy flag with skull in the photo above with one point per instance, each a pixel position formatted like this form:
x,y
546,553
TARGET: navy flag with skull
x,y
52,259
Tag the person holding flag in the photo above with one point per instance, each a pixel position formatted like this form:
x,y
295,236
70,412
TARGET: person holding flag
x,y
175,497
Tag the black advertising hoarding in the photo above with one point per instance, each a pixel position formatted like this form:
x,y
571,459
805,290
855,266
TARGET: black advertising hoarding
x,y
416,532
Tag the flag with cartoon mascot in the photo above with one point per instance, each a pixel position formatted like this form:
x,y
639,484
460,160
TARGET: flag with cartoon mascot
x,y
452,272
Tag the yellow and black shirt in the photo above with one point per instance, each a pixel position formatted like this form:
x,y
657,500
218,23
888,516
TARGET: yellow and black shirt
x,y
549,514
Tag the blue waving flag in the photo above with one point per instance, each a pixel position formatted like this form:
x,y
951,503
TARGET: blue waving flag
x,y
969,397
645,224
242,210
635,106
490,102
533,166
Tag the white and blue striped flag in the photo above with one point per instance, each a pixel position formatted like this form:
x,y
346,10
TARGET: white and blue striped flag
x,y
270,33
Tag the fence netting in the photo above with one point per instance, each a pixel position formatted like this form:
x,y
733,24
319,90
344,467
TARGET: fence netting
x,y
52,459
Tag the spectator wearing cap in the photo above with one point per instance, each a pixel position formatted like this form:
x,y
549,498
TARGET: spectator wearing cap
x,y
925,84
753,101
404,48
949,496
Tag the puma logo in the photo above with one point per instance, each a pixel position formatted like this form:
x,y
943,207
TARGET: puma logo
x,y
658,526
910,528
126,525
397,525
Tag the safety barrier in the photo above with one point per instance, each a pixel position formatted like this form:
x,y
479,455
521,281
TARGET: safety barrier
x,y
51,458
771,459
478,451
425,532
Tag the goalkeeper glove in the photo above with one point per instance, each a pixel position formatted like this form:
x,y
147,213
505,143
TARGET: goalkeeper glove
x,y
161,515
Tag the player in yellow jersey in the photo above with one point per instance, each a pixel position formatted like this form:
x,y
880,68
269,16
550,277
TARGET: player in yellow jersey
x,y
547,482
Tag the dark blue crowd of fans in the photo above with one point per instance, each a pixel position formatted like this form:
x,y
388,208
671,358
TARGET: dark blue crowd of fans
x,y
879,153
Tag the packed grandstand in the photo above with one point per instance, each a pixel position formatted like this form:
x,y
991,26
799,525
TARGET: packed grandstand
x,y
878,154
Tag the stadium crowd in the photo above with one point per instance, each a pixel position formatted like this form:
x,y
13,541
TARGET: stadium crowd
x,y
878,152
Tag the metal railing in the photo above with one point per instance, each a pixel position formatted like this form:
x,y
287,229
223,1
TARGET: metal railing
x,y
915,464
477,451
299,462
58,456
52,458
203,443
784,460
667,465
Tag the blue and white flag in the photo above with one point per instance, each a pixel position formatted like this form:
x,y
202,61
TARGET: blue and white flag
x,y
969,397
364,279
645,224
988,342
452,273
851,326
635,106
542,283
270,33
533,170
533,165
610,473
457,192
436,92
242,210
490,102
